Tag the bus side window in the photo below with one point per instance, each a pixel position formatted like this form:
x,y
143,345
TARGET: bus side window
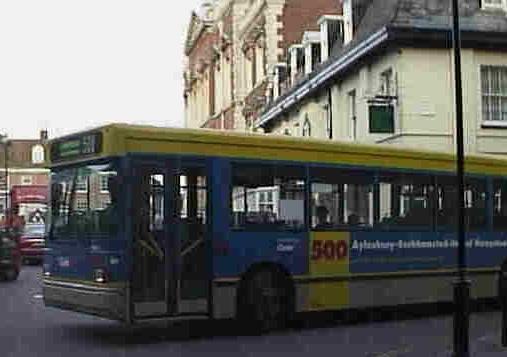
x,y
341,198
156,202
268,196
406,200
192,204
500,205
475,203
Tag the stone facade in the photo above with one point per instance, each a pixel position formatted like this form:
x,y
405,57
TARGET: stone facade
x,y
233,50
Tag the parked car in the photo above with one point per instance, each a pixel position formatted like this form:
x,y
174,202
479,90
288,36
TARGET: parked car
x,y
10,254
32,243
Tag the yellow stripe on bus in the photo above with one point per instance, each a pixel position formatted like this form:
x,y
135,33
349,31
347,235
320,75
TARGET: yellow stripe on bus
x,y
120,139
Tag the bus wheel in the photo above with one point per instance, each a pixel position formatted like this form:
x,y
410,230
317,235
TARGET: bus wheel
x,y
265,302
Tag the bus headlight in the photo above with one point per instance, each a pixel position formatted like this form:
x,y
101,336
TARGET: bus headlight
x,y
99,275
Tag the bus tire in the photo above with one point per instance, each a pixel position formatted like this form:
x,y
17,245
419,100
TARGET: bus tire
x,y
266,301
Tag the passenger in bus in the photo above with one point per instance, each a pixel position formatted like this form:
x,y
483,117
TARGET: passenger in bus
x,y
353,219
322,214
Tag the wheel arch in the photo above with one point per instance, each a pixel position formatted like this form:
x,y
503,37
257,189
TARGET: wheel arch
x,y
276,268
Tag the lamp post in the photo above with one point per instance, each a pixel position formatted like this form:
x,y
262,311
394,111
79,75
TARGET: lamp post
x,y
462,285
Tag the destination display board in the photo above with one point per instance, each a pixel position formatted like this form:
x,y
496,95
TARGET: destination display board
x,y
76,147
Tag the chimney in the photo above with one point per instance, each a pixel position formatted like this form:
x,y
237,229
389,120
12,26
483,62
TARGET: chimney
x,y
43,135
311,45
331,33
207,10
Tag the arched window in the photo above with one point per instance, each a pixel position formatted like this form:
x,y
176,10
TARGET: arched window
x,y
307,127
38,154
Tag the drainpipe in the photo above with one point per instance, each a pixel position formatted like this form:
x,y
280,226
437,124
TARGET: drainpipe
x,y
330,113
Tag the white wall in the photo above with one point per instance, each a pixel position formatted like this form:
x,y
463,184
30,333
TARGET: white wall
x,y
425,109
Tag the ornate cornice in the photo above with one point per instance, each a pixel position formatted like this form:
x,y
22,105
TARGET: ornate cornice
x,y
195,29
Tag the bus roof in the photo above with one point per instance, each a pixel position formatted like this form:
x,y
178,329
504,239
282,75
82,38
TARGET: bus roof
x,y
120,139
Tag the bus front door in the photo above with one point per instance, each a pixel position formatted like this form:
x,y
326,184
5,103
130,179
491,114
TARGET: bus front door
x,y
170,262
193,258
150,284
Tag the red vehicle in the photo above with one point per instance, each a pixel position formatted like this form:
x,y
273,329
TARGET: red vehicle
x,y
30,203
32,243
10,250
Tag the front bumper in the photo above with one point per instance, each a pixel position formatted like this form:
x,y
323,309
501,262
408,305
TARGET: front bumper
x,y
108,302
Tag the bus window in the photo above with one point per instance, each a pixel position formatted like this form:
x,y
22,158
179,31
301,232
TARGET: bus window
x,y
77,211
156,202
500,205
341,197
197,180
475,204
192,205
406,200
268,196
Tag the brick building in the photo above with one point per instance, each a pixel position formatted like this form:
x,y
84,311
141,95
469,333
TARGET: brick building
x,y
238,55
25,166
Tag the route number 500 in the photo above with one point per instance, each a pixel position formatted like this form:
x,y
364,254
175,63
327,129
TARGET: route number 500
x,y
329,250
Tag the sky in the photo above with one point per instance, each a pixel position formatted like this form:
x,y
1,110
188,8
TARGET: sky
x,y
68,65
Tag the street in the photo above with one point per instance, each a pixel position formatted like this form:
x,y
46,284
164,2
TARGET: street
x,y
29,329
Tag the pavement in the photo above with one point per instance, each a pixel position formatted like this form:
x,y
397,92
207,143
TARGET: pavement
x,y
27,328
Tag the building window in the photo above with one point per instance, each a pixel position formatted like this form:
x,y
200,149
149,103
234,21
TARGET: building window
x,y
299,62
38,154
387,83
307,128
259,62
253,67
26,180
381,119
316,55
249,69
104,183
81,204
494,94
82,184
286,132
